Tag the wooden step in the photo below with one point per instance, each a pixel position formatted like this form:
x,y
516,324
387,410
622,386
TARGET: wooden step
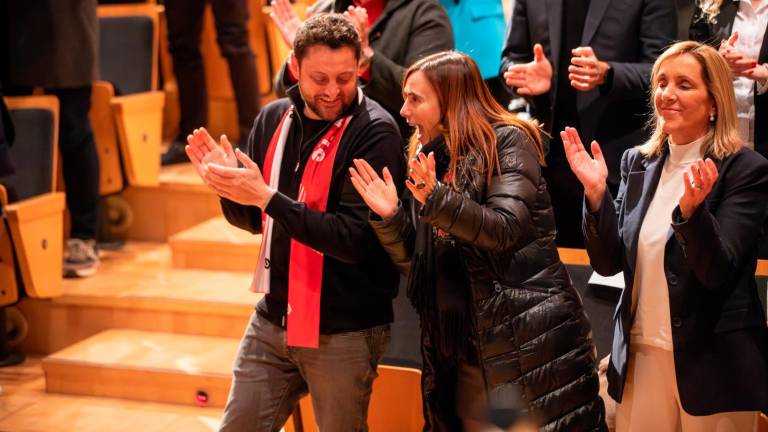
x,y
25,406
180,201
215,245
147,366
172,368
137,288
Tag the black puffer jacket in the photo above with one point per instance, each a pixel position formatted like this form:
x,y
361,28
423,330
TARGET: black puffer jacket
x,y
529,327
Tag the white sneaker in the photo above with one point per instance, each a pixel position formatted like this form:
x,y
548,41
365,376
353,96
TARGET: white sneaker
x,y
80,258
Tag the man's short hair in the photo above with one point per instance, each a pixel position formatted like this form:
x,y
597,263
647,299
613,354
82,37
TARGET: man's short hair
x,y
328,29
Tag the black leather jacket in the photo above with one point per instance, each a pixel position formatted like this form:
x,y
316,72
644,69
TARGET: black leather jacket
x,y
529,327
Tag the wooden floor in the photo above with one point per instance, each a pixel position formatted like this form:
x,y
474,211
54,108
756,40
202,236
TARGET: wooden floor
x,y
26,407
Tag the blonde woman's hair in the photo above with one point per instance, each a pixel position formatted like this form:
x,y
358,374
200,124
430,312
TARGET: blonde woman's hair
x,y
719,83
468,112
710,8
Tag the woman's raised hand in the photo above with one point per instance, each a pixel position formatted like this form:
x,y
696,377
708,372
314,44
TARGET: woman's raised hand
x,y
422,176
697,185
379,194
591,172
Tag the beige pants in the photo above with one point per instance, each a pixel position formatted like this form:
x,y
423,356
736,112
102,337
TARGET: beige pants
x,y
651,401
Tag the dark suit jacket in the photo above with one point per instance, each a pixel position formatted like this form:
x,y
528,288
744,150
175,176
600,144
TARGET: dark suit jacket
x,y
627,34
718,326
712,33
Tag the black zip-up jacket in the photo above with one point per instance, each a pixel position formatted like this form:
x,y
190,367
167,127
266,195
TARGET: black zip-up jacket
x,y
359,280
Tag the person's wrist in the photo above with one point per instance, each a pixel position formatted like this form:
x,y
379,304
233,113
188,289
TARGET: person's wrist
x,y
388,213
686,211
594,197
266,198
604,68
366,57
764,78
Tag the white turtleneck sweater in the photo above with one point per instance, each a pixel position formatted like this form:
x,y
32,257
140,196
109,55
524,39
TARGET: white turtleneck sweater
x,y
651,325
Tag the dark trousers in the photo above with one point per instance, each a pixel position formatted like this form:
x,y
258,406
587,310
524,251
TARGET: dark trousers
x,y
185,25
79,159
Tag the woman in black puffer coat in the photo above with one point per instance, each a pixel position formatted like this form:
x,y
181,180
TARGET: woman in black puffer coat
x,y
500,319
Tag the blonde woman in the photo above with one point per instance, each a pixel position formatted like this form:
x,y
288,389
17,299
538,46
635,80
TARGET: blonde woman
x,y
690,348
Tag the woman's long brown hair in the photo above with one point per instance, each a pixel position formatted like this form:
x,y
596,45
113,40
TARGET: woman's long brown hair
x,y
468,112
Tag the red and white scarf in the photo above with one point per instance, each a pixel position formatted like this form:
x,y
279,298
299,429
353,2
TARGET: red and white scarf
x,y
305,273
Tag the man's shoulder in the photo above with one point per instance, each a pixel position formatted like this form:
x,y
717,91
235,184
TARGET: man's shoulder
x,y
276,107
373,115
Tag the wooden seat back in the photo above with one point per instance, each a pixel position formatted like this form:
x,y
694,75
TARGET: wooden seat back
x,y
35,216
127,108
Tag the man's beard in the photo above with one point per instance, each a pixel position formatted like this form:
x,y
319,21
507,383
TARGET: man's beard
x,y
324,113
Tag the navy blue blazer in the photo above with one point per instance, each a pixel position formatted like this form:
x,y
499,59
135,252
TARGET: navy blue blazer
x,y
718,325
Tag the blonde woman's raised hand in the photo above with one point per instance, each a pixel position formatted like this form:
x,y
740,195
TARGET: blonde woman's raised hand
x,y
592,172
379,194
698,183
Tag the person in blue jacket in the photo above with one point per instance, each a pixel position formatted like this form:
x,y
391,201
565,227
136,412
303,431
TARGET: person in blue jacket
x,y
478,31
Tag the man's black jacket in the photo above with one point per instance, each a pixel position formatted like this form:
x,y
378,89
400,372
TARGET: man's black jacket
x,y
359,280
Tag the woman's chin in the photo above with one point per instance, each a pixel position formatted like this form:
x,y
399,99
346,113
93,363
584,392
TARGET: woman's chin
x,y
420,136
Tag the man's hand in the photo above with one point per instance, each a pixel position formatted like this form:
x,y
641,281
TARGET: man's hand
x,y
586,70
242,185
202,149
286,20
533,78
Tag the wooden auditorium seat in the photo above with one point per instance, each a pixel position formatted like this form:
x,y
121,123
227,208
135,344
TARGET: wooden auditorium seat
x,y
127,108
31,238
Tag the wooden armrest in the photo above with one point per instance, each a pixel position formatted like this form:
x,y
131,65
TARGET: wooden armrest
x,y
37,226
139,119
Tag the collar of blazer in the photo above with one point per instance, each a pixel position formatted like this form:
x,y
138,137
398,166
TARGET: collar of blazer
x,y
650,169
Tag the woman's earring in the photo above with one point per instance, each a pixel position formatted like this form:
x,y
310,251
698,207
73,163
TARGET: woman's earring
x,y
711,117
